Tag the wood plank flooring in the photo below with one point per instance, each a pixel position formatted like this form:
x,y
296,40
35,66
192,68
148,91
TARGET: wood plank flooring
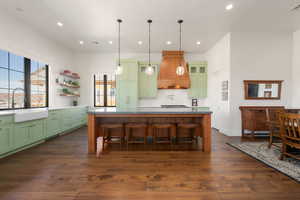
x,y
61,169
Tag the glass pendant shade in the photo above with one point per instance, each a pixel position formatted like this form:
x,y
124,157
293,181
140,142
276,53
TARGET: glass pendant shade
x,y
119,70
180,70
149,70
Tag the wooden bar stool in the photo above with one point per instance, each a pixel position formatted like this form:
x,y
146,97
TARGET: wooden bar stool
x,y
133,133
109,135
162,133
189,135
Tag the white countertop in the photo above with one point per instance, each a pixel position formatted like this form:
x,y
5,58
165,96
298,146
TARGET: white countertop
x,y
12,112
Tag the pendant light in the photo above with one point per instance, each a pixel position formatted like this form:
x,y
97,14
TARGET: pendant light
x,y
119,69
180,69
149,69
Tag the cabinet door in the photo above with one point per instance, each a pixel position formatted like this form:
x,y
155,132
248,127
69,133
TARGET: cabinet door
x,y
198,76
6,140
130,70
127,85
127,95
21,135
147,83
53,127
193,91
36,131
202,81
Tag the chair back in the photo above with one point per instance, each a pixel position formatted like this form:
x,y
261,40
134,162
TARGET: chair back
x,y
273,114
290,127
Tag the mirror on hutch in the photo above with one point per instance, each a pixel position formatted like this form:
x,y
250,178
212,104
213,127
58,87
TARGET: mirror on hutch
x,y
262,89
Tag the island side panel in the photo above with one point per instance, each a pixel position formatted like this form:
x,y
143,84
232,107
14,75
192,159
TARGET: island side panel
x,y
206,129
92,134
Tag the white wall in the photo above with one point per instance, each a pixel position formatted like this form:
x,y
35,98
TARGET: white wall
x,y
19,38
295,101
218,58
88,64
258,56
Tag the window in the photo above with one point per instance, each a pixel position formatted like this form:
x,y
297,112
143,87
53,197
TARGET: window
x,y
38,84
23,84
104,90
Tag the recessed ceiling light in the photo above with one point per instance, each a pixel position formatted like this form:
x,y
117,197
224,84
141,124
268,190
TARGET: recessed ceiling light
x,y
81,42
140,42
168,42
229,6
198,42
59,24
110,42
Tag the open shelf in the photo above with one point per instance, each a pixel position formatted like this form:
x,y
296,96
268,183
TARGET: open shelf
x,y
70,95
69,75
69,86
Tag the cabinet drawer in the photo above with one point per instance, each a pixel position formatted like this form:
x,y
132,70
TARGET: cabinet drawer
x,y
6,120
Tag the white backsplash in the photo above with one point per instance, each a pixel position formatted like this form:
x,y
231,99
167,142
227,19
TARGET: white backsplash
x,y
167,97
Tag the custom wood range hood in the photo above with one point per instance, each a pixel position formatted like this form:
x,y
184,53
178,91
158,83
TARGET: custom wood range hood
x,y
167,78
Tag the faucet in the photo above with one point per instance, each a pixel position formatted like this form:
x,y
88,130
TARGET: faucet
x,y
13,96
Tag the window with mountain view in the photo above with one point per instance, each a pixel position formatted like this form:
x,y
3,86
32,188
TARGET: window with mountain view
x,y
23,82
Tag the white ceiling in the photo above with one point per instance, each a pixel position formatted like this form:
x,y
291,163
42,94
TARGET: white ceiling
x,y
204,20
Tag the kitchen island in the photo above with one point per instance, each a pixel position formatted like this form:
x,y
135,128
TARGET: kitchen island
x,y
96,116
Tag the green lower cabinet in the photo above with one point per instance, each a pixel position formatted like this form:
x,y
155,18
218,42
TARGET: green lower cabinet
x,y
36,131
6,139
53,126
16,136
21,135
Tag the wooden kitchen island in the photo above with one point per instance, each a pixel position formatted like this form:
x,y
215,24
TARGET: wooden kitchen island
x,y
97,116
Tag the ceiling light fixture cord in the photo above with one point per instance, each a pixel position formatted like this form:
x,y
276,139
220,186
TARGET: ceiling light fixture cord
x,y
119,41
180,32
149,22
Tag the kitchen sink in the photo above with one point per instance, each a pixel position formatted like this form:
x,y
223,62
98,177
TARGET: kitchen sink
x,y
30,114
174,106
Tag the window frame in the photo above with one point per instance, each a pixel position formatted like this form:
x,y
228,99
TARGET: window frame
x,y
27,85
105,92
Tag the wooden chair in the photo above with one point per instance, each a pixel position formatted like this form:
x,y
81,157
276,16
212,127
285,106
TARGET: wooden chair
x,y
290,133
188,135
135,132
110,136
162,133
273,121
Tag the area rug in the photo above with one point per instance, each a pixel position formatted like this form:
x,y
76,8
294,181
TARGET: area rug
x,y
261,152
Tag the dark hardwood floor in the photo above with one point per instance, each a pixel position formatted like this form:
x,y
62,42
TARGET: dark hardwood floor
x,y
61,169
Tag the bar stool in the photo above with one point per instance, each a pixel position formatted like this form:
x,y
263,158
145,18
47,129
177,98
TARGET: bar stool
x,y
109,135
162,133
189,136
134,136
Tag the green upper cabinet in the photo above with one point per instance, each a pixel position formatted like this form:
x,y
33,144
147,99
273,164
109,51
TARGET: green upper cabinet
x,y
127,85
130,70
147,83
198,76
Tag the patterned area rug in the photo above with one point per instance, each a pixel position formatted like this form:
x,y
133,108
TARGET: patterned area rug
x,y
261,152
